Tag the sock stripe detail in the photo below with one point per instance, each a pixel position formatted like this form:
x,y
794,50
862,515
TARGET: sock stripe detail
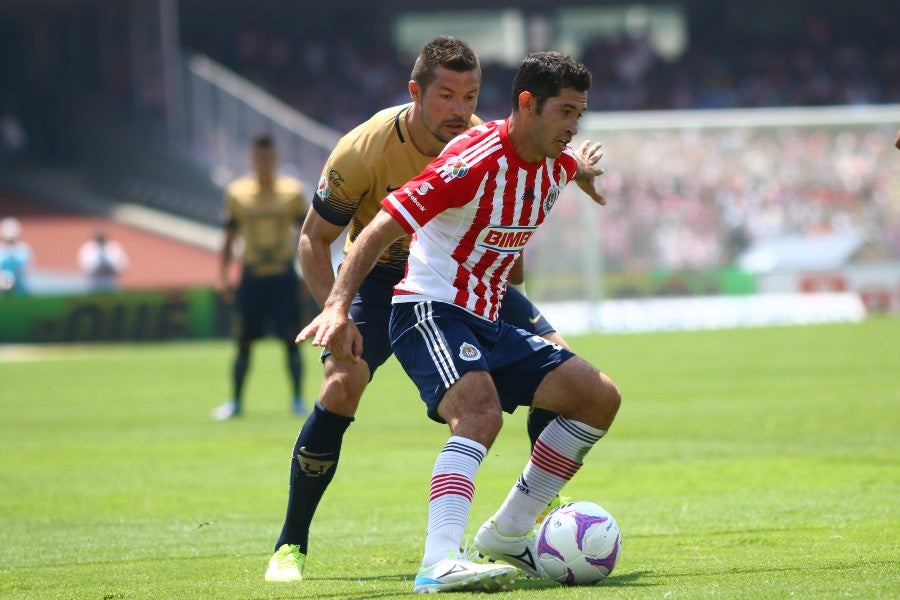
x,y
579,432
452,446
455,484
546,458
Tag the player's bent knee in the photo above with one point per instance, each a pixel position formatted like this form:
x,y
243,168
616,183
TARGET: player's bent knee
x,y
343,387
578,391
610,396
481,426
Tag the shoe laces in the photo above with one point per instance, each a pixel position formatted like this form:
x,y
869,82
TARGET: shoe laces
x,y
292,556
468,551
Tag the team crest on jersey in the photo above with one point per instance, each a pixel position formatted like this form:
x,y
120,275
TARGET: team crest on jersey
x,y
323,190
453,168
469,352
552,195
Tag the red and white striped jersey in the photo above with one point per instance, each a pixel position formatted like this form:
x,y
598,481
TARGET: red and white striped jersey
x,y
471,211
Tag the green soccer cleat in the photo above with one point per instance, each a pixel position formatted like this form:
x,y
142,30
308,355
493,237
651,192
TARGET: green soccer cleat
x,y
286,564
554,504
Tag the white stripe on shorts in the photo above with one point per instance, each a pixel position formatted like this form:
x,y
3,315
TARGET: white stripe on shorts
x,y
440,354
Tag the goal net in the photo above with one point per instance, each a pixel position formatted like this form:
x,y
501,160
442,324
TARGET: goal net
x,y
691,193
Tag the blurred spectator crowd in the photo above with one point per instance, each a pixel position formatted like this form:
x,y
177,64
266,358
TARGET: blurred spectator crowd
x,y
695,199
340,78
681,200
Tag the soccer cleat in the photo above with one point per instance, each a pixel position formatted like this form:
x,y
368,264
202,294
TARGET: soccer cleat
x,y
520,550
286,564
554,504
227,410
458,574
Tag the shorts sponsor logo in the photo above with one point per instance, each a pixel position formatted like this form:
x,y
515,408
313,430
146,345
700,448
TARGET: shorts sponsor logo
x,y
469,352
536,339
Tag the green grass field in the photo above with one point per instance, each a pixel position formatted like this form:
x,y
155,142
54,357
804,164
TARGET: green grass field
x,y
754,463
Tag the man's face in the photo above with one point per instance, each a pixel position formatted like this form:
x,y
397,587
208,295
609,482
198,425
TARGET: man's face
x,y
264,160
557,123
449,101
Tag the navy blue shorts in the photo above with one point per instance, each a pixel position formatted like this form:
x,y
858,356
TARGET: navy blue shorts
x,y
371,312
437,343
267,300
517,310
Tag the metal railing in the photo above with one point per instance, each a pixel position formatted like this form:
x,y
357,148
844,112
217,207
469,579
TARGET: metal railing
x,y
224,112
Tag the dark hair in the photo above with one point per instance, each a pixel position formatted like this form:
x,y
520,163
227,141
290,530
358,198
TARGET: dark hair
x,y
545,74
443,51
263,141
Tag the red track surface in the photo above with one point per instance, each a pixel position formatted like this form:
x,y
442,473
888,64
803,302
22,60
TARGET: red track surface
x,y
55,235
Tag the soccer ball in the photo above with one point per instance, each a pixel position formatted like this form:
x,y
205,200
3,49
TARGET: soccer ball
x,y
579,543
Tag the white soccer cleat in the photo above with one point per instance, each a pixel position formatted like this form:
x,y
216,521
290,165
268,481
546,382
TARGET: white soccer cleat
x,y
226,410
456,574
520,551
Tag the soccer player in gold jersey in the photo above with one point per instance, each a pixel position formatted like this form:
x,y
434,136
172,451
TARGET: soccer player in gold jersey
x,y
264,209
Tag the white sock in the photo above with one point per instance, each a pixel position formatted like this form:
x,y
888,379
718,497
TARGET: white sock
x,y
452,488
557,456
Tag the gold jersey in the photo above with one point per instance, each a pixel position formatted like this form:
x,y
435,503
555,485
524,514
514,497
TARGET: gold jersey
x,y
266,219
368,163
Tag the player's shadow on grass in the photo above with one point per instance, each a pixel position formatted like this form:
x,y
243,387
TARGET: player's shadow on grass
x,y
631,579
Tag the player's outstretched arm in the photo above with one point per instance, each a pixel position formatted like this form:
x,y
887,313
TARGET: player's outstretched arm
x,y
588,155
332,328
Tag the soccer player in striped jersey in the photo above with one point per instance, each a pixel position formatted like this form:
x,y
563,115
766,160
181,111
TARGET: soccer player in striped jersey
x,y
471,212
368,163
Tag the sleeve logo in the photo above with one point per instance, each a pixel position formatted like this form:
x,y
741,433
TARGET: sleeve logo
x,y
454,167
323,190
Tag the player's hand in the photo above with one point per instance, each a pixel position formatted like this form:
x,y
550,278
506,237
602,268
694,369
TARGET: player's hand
x,y
588,155
335,331
226,290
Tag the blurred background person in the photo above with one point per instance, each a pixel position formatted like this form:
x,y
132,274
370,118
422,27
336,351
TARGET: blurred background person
x,y
13,137
102,260
15,258
265,210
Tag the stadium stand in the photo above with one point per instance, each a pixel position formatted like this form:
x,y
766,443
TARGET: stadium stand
x,y
109,129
